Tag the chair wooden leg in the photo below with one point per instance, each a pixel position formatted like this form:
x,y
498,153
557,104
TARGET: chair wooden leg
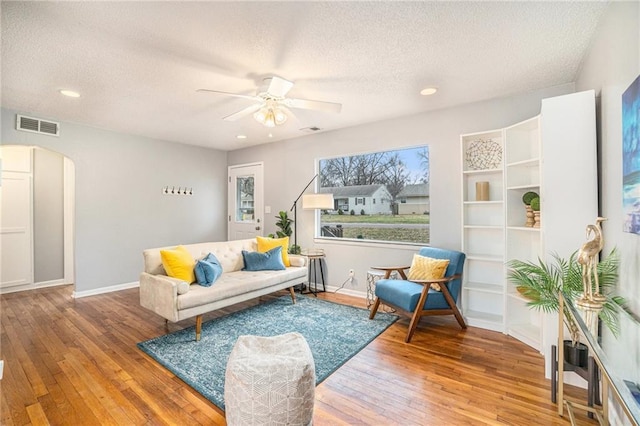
x,y
417,314
453,306
293,295
198,327
374,308
458,316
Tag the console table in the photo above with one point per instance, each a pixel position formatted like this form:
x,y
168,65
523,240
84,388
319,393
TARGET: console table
x,y
611,382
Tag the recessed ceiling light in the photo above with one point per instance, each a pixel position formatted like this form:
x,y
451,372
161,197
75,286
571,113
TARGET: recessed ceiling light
x,y
70,93
428,91
241,136
270,135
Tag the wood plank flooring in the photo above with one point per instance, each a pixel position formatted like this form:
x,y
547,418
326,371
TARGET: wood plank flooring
x,y
75,362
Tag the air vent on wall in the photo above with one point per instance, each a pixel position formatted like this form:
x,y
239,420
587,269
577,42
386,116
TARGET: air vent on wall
x,y
35,125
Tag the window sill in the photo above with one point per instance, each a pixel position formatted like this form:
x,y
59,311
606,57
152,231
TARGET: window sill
x,y
367,243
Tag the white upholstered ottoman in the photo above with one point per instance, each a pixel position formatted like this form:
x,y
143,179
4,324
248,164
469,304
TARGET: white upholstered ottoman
x,y
270,381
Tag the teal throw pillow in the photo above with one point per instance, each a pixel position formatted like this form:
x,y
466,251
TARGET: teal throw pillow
x,y
268,261
208,270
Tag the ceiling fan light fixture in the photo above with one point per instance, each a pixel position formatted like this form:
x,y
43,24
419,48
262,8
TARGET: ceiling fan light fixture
x,y
270,116
270,119
280,116
261,115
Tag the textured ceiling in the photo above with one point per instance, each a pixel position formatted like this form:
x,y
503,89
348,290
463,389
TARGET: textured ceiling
x,y
138,64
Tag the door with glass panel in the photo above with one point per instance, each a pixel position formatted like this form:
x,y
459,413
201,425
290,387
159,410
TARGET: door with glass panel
x,y
245,201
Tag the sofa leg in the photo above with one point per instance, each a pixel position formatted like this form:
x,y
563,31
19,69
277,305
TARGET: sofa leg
x,y
198,327
293,294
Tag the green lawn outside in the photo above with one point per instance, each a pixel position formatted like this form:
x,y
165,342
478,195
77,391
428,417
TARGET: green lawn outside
x,y
388,234
376,218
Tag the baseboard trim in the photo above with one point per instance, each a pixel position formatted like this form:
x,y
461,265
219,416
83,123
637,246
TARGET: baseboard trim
x,y
32,286
347,291
50,283
102,290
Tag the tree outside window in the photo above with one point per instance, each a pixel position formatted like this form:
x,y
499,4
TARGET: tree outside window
x,y
387,176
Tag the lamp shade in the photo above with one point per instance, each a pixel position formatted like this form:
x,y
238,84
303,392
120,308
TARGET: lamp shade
x,y
317,201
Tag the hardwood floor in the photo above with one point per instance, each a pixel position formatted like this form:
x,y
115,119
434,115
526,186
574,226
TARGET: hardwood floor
x,y
75,362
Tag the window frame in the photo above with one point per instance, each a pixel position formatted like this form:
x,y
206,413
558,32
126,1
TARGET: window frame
x,y
319,239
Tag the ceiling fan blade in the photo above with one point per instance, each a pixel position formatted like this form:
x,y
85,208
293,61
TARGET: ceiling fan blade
x,y
314,105
279,87
243,112
235,95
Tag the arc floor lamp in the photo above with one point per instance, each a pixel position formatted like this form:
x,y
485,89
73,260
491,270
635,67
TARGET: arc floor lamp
x,y
309,202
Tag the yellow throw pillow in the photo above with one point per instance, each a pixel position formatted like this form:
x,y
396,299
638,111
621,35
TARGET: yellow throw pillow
x,y
266,244
179,264
426,268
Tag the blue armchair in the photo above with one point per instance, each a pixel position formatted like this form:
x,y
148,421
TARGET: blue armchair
x,y
417,297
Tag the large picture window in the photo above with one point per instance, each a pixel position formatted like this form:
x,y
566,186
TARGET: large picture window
x,y
379,196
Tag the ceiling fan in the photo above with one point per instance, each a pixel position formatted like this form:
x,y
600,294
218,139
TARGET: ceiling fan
x,y
272,105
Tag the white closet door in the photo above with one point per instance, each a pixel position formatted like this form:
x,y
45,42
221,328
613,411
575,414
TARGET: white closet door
x,y
16,229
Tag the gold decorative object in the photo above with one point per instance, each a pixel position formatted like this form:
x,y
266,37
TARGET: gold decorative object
x,y
530,221
484,154
482,191
536,219
592,300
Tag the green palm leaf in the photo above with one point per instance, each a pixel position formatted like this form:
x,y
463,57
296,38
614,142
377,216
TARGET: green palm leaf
x,y
541,283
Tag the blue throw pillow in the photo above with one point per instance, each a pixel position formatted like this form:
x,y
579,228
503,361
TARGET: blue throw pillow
x,y
208,270
268,261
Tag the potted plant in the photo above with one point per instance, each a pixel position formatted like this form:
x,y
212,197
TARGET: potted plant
x,y
526,199
284,223
542,282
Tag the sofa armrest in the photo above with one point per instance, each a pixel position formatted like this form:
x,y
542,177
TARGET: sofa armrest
x,y
297,260
159,293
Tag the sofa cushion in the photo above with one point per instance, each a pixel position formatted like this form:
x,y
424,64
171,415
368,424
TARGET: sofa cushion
x,y
178,263
406,295
269,261
229,253
208,270
266,244
232,284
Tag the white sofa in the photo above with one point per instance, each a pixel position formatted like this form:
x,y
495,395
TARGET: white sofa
x,y
176,300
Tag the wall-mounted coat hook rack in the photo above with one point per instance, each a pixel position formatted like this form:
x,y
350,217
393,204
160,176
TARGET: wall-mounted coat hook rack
x,y
179,190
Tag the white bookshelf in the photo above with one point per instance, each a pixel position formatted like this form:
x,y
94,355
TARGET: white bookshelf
x,y
483,237
554,155
522,174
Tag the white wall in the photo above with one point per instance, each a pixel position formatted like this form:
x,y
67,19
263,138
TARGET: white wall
x,y
290,164
119,207
612,64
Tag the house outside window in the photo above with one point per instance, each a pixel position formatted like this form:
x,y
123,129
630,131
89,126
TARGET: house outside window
x,y
365,178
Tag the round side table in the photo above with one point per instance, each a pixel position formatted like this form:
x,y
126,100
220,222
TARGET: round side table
x,y
315,262
372,277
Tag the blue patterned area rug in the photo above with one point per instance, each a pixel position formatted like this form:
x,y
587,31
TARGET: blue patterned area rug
x,y
334,332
